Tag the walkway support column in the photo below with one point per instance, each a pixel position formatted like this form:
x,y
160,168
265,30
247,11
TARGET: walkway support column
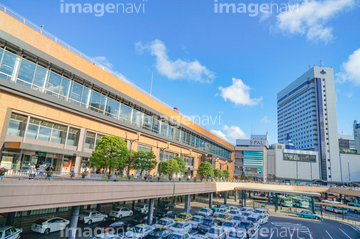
x,y
276,202
98,207
243,198
312,204
10,219
210,200
225,197
151,211
187,203
133,205
74,221
235,199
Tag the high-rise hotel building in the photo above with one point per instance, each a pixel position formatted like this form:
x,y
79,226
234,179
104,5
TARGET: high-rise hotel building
x,y
306,111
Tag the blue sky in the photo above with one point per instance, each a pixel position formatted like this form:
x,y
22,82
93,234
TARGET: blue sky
x,y
217,64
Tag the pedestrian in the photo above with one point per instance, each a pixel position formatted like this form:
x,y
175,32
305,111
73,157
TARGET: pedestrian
x,y
32,172
49,170
138,175
72,171
42,169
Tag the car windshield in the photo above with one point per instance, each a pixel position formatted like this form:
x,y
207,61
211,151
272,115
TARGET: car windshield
x,y
207,222
178,225
228,224
203,210
214,231
156,233
233,212
222,216
236,234
182,216
246,214
40,221
195,219
243,209
174,236
237,218
162,222
244,225
258,211
253,219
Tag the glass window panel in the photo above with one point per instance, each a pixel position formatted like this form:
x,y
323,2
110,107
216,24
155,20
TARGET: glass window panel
x,y
103,103
164,129
90,140
53,85
95,101
73,137
143,148
1,53
117,109
10,64
44,133
110,108
156,126
177,134
182,136
192,140
98,137
26,72
40,78
58,136
170,132
65,87
76,92
148,122
32,130
136,119
125,113
17,125
85,97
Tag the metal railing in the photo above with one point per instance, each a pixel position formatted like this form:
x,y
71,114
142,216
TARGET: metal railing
x,y
91,60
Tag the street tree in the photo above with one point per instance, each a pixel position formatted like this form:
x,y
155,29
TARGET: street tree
x,y
170,167
205,170
181,163
218,173
144,161
110,153
243,176
227,174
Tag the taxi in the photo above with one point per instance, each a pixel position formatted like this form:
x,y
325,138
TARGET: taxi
x,y
237,234
10,232
88,217
222,217
164,223
216,232
183,217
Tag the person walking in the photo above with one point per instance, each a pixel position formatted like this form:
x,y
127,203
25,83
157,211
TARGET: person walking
x,y
72,171
49,170
42,169
32,172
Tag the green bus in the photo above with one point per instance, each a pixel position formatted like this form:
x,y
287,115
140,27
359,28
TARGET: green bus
x,y
285,201
352,204
300,202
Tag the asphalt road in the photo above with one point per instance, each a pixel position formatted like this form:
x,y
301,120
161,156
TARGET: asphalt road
x,y
279,226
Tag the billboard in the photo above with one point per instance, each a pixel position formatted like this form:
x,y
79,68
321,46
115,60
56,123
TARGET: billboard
x,y
300,157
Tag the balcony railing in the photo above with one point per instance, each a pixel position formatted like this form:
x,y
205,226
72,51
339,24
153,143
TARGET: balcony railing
x,y
240,163
239,155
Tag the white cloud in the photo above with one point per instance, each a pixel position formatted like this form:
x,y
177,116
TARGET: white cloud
x,y
238,93
265,120
178,69
103,61
351,69
310,18
230,133
349,95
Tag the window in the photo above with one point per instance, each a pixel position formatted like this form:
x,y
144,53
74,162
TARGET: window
x,y
40,78
53,86
58,134
45,131
26,72
73,137
90,140
17,125
10,64
33,129
76,93
143,148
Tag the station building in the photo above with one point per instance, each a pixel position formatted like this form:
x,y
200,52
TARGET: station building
x,y
56,104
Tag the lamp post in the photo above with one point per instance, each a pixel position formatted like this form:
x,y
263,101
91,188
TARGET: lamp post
x,y
157,146
131,141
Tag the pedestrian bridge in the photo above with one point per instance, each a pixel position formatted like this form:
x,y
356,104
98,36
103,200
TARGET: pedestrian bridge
x,y
21,195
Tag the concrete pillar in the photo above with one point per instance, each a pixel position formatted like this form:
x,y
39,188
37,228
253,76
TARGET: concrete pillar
x,y
133,205
236,192
276,202
312,205
151,211
159,199
194,197
326,196
210,200
225,198
10,219
113,205
187,203
340,197
98,207
74,221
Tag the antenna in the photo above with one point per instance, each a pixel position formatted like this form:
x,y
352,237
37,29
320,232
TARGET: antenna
x,y
320,63
152,77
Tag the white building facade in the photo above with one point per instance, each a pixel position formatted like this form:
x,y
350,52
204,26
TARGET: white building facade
x,y
307,112
357,135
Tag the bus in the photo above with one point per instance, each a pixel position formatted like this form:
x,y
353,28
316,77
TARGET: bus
x,y
285,201
300,202
333,207
352,204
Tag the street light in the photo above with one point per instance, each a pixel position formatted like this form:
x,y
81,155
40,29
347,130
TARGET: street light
x,y
157,146
131,141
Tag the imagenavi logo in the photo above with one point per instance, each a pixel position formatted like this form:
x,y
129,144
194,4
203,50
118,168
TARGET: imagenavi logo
x,y
100,9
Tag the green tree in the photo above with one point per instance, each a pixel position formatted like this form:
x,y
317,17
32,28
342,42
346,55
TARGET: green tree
x,y
218,173
205,170
181,163
144,161
227,174
129,163
170,167
110,153
243,176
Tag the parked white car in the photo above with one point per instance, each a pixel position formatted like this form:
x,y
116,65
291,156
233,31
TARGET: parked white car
x,y
89,217
181,227
230,225
237,234
142,207
195,221
234,212
120,212
238,218
216,232
177,235
205,211
261,211
264,218
139,231
164,223
246,209
221,211
45,226
233,208
10,232
255,219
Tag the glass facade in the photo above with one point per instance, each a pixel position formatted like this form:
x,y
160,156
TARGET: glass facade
x,y
32,75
